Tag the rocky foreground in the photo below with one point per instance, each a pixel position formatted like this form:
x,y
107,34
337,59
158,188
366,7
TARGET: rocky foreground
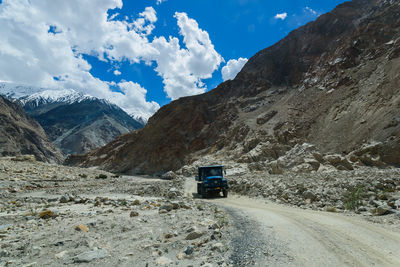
x,y
52,215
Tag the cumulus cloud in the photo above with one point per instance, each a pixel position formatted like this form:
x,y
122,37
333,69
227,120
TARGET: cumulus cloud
x,y
43,44
132,99
159,2
183,69
281,16
117,72
232,68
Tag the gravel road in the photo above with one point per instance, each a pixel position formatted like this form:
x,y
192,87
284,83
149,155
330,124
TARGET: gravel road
x,y
269,234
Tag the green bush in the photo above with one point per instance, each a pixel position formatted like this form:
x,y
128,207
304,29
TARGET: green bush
x,y
352,199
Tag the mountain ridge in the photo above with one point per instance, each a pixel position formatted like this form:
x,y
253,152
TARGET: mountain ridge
x,y
21,135
332,83
75,122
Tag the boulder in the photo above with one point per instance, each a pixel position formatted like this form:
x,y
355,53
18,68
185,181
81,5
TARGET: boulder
x,y
90,256
382,210
194,235
169,175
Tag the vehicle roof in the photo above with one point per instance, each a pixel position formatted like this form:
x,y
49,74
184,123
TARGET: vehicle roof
x,y
212,166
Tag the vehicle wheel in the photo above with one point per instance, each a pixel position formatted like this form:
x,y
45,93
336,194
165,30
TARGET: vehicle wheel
x,y
225,193
199,189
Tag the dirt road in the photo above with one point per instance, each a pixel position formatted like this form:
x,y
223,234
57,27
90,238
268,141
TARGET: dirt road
x,y
277,235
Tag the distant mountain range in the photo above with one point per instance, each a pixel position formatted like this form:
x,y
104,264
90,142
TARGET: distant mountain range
x,y
75,122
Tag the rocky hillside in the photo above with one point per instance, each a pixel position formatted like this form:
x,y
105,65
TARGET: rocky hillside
x,y
74,122
333,83
79,127
21,135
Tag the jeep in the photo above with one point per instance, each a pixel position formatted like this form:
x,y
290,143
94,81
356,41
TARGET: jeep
x,y
210,180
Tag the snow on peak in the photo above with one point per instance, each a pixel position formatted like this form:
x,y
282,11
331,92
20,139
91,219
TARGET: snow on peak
x,y
37,95
52,96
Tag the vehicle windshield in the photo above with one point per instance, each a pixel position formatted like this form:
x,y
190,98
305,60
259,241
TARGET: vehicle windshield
x,y
207,172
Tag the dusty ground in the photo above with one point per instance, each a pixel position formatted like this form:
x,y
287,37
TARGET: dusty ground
x,y
54,215
271,234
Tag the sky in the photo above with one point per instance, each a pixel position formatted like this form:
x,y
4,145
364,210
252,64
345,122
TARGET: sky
x,y
141,54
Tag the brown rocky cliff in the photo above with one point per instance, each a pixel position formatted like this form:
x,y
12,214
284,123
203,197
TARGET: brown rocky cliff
x,y
20,134
333,82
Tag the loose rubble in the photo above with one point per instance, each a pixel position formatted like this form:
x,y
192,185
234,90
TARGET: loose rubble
x,y
56,215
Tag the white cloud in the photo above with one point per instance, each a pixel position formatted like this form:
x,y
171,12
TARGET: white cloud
x,y
132,99
281,16
159,2
312,11
183,69
232,68
48,38
117,72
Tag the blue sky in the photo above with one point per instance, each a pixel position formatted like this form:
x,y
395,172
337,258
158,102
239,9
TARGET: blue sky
x,y
141,54
237,28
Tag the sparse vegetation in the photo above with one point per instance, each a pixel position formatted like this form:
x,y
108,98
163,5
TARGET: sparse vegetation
x,y
101,176
352,199
82,175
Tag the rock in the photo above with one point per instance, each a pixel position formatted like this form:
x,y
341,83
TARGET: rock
x,y
397,203
264,118
169,176
326,168
46,214
304,167
4,227
274,167
61,255
163,261
318,156
82,228
382,210
136,202
166,207
194,235
309,195
174,192
333,159
91,256
175,205
64,199
313,162
30,264
189,250
180,256
217,246
133,214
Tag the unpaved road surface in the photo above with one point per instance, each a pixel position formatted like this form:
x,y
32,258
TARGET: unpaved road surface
x,y
276,235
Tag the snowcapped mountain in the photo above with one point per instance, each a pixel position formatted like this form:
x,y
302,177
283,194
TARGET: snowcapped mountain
x,y
75,122
55,96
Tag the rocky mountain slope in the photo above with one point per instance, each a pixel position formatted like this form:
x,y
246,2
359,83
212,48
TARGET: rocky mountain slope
x,y
333,83
74,122
20,134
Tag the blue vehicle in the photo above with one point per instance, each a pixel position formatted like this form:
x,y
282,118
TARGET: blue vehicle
x,y
210,180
